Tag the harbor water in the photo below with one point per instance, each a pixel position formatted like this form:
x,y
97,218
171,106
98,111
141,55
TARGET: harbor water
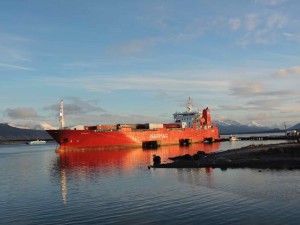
x,y
115,186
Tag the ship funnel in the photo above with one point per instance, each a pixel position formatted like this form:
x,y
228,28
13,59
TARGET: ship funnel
x,y
61,115
206,115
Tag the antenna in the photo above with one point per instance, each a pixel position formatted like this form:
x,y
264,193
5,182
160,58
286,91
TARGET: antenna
x,y
284,124
61,115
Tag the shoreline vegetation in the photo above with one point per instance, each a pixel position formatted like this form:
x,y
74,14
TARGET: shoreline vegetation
x,y
273,156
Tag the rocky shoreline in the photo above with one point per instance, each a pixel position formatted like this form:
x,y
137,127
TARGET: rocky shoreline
x,y
274,156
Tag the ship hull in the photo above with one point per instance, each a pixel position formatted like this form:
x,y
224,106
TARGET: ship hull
x,y
132,138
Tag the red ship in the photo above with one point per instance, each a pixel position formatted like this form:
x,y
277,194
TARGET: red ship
x,y
188,127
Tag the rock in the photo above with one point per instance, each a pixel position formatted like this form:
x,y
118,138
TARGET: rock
x,y
156,160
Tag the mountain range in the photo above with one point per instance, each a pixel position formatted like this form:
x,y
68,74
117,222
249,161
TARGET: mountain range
x,y
10,132
295,127
233,127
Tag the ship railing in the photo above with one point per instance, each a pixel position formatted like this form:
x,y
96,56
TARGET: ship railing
x,y
206,127
105,130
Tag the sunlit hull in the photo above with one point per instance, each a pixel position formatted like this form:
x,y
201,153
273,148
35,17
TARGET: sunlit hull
x,y
132,138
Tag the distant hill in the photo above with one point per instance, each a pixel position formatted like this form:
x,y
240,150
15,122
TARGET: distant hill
x,y
8,133
295,127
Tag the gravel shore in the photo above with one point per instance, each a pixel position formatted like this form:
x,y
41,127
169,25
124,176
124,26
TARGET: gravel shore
x,y
277,156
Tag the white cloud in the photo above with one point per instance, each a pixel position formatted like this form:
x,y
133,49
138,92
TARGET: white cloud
x,y
263,28
246,88
263,117
288,71
12,38
139,46
14,67
134,47
270,2
234,23
251,21
191,29
276,20
232,107
290,109
292,36
35,125
264,104
13,52
75,105
109,118
22,113
163,83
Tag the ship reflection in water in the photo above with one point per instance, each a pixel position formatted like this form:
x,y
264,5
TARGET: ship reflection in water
x,y
81,164
126,158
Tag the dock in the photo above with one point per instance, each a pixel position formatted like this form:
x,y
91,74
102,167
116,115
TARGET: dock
x,y
266,138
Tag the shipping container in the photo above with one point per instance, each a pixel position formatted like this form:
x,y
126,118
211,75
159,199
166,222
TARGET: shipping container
x,y
141,126
154,125
106,127
90,127
171,125
132,126
78,127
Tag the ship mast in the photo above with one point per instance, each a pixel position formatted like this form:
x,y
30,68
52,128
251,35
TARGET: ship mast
x,y
61,115
189,105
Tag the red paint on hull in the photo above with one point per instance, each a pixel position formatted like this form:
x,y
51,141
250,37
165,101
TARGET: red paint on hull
x,y
130,137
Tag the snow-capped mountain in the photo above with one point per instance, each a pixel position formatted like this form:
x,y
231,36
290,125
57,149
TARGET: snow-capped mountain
x,y
32,125
227,126
8,132
254,124
227,122
44,126
20,126
295,127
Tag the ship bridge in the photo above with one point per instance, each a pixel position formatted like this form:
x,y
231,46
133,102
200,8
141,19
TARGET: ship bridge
x,y
189,117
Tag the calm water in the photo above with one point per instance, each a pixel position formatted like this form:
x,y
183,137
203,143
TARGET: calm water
x,y
39,186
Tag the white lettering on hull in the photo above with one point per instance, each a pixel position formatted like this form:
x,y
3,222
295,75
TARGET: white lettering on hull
x,y
154,136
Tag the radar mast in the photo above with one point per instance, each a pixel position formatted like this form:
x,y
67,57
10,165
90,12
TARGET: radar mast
x,y
189,105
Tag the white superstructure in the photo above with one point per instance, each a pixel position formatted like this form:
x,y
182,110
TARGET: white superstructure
x,y
189,117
